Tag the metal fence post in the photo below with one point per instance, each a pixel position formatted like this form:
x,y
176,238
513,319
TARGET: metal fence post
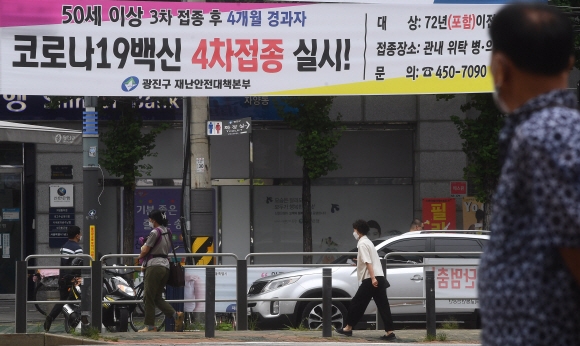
x,y
380,323
430,302
326,302
210,302
242,295
20,297
86,298
97,286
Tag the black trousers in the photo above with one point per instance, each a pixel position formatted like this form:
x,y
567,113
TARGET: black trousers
x,y
366,291
64,290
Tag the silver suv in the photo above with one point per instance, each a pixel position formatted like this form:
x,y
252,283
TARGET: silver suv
x,y
405,282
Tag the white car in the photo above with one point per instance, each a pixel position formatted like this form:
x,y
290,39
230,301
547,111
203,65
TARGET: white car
x,y
405,282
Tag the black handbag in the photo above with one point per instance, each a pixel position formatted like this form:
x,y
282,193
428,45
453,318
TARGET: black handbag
x,y
176,271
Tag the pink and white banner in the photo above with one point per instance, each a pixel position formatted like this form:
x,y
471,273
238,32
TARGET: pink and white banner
x,y
133,48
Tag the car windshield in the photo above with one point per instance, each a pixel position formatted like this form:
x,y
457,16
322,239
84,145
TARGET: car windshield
x,y
344,259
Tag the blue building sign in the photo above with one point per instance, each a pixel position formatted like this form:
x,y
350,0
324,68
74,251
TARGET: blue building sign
x,y
32,108
255,107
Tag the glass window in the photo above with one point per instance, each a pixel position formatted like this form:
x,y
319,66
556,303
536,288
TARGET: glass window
x,y
10,154
408,245
457,245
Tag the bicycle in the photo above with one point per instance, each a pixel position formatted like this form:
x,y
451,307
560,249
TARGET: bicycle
x,y
46,288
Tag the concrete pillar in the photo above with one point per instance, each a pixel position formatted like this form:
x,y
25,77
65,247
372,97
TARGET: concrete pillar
x,y
199,115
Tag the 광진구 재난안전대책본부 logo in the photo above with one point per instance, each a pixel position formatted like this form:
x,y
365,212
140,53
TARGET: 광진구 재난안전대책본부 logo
x,y
130,83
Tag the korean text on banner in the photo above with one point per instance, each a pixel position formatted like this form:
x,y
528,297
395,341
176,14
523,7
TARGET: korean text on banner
x,y
164,199
132,48
456,282
439,213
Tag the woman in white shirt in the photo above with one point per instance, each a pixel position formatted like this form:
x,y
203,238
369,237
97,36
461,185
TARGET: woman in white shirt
x,y
373,284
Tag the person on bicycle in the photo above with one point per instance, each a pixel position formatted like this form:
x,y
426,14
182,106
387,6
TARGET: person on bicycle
x,y
66,276
156,265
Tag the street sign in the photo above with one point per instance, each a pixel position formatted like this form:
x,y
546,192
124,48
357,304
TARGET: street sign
x,y
214,128
229,127
237,127
199,164
458,188
59,218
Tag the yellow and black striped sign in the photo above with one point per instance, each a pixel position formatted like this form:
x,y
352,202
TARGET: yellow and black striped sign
x,y
203,245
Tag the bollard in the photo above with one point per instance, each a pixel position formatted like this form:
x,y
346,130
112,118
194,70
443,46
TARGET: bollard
x,y
96,287
326,302
209,302
430,302
86,305
20,297
242,295
380,325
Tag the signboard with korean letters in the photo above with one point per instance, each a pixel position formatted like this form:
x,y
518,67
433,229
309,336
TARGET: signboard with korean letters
x,y
439,213
456,279
134,48
164,199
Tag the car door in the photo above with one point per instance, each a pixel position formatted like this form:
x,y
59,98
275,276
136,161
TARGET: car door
x,y
405,281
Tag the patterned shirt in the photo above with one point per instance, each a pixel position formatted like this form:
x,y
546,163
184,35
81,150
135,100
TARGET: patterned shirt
x,y
527,294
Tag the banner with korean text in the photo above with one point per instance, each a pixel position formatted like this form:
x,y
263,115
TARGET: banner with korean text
x,y
166,199
455,279
439,214
132,48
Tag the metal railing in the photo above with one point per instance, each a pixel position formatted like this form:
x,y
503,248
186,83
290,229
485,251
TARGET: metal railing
x,y
21,286
92,286
241,300
209,293
300,266
430,280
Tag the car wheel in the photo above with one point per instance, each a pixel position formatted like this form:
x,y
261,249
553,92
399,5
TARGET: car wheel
x,y
312,315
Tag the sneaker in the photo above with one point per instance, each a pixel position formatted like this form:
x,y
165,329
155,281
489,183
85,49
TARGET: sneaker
x,y
147,329
179,316
389,337
47,323
343,332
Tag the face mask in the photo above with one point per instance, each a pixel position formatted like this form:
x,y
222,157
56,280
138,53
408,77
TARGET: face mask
x,y
150,224
498,102
80,238
355,235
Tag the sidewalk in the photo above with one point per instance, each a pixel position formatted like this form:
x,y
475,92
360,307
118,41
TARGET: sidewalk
x,y
416,336
35,329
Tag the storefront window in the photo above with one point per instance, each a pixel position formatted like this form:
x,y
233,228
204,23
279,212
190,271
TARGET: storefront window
x,y
10,154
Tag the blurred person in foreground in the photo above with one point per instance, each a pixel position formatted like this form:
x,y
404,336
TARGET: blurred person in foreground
x,y
529,281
